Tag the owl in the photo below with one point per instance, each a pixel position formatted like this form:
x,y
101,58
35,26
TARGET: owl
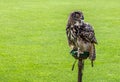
x,y
81,35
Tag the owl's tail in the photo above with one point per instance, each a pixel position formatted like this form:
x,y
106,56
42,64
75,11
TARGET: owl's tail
x,y
82,65
92,63
74,65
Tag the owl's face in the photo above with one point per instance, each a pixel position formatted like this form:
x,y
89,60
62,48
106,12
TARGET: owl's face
x,y
77,17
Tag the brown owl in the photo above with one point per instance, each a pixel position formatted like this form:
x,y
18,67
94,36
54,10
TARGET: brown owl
x,y
81,35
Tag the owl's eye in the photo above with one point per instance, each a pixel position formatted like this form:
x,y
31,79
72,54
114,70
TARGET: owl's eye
x,y
73,15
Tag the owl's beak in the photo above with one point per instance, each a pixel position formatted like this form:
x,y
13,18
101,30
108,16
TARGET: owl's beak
x,y
82,21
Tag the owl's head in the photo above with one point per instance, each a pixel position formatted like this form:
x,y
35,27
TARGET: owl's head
x,y
77,15
76,18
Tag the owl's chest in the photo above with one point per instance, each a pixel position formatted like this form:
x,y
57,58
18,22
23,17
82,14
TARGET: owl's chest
x,y
72,35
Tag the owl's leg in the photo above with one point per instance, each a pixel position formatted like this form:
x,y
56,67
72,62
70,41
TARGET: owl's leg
x,y
92,52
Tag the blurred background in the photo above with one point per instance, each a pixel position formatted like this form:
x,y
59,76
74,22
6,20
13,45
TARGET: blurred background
x,y
33,42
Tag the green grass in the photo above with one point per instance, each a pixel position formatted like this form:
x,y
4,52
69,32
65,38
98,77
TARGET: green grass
x,y
33,43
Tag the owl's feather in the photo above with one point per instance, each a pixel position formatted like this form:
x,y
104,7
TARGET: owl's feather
x,y
86,32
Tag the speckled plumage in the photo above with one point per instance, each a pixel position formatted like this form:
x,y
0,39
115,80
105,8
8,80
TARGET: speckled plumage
x,y
81,35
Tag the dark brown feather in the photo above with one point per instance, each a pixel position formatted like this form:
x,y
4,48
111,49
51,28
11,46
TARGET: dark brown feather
x,y
81,35
86,32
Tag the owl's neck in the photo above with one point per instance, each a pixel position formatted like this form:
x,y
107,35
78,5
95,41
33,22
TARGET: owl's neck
x,y
83,24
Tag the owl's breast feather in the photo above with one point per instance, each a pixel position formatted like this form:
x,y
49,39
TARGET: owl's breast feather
x,y
84,46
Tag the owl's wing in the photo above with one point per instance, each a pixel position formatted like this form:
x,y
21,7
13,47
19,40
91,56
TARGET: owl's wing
x,y
71,35
86,32
68,34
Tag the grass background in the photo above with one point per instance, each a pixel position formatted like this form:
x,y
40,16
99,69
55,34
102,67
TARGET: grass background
x,y
33,44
